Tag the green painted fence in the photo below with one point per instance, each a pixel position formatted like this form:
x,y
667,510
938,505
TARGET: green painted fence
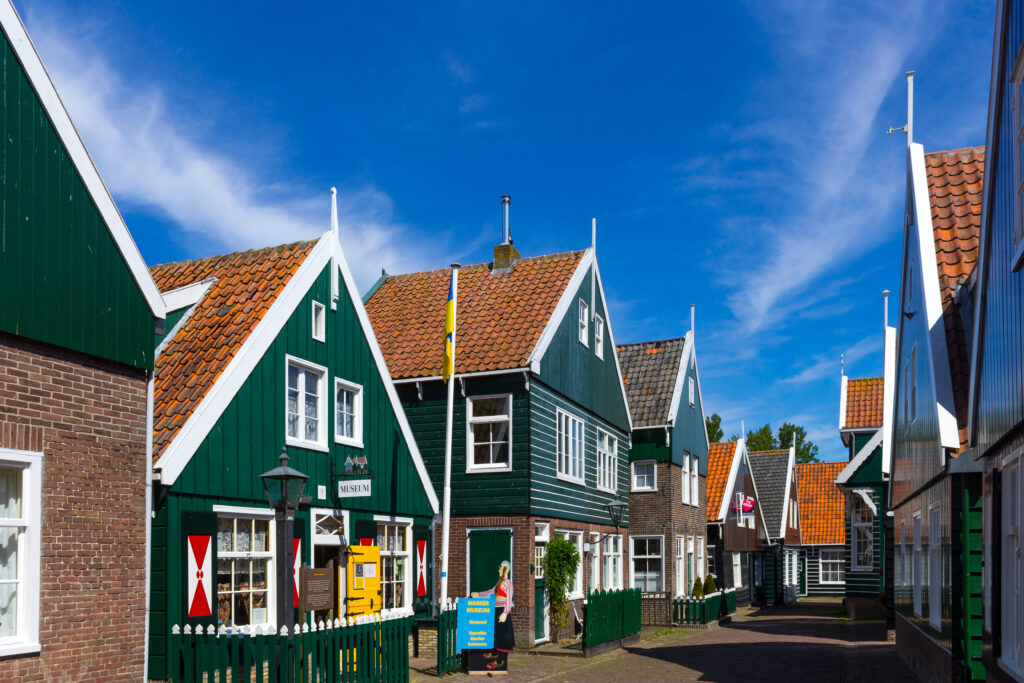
x,y
611,615
449,660
370,648
704,610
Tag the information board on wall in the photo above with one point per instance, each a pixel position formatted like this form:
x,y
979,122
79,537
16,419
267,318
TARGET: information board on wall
x,y
317,589
475,626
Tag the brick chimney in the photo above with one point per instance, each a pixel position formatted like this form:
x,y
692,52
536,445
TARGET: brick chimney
x,y
505,255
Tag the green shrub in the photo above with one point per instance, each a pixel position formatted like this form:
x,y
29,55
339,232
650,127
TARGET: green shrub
x,y
560,562
698,589
709,585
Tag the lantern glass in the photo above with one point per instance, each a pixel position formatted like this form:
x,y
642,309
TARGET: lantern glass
x,y
283,484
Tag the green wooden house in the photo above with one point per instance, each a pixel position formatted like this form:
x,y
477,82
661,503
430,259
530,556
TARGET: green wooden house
x,y
267,349
822,529
936,490
541,425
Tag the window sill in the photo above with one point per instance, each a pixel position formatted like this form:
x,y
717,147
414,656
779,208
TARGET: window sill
x,y
651,490
309,445
19,649
345,441
571,480
602,489
485,469
575,596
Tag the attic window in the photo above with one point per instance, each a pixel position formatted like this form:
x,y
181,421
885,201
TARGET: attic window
x,y
319,322
691,391
599,337
584,332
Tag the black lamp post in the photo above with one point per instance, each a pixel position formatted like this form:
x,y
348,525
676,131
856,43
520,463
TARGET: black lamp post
x,y
616,509
283,486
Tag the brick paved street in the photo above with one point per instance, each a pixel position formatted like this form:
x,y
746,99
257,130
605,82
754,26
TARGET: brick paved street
x,y
803,643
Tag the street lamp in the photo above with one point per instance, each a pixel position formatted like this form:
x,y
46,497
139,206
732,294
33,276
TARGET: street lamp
x,y
283,486
616,509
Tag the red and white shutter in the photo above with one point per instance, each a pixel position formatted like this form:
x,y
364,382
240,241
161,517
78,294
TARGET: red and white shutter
x,y
421,567
199,575
296,566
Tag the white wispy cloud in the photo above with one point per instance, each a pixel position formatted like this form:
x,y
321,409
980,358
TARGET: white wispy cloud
x,y
825,365
149,157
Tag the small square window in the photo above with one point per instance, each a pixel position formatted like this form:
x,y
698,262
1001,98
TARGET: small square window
x,y
348,413
599,337
319,322
489,433
645,476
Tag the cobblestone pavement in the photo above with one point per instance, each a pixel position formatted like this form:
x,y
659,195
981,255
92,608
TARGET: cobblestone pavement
x,y
805,643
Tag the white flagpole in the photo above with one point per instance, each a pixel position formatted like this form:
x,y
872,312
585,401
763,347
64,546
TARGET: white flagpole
x,y
446,511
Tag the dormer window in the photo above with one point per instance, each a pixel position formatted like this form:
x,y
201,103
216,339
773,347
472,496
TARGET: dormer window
x,y
319,322
584,332
599,337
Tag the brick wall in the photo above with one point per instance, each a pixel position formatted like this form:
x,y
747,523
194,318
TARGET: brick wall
x,y
88,418
522,558
663,513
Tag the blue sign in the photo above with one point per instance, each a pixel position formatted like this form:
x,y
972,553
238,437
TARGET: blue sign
x,y
475,627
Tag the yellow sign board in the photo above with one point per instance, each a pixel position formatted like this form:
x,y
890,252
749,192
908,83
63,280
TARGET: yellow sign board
x,y
364,594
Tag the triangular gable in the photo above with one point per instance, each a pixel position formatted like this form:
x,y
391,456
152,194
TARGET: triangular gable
x,y
177,454
790,483
36,73
689,356
861,459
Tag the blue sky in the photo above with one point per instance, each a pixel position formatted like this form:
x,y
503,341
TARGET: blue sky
x,y
732,153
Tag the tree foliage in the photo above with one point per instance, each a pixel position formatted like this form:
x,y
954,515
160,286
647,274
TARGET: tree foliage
x,y
698,588
560,562
763,439
709,585
715,432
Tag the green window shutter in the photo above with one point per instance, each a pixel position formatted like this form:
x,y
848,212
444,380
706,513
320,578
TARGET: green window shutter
x,y
299,549
199,570
421,547
488,548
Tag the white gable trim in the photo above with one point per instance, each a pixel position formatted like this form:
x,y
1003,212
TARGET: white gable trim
x,y
888,397
932,299
382,368
790,467
677,388
188,295
842,404
26,53
757,495
730,483
179,452
195,295
862,456
611,340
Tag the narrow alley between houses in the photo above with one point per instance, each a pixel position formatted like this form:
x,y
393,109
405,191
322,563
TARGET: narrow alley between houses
x,y
808,641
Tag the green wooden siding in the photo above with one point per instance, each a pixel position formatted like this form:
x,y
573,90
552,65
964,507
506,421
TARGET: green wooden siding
x,y
869,473
811,571
551,496
688,429
867,583
649,444
968,553
63,277
575,371
473,493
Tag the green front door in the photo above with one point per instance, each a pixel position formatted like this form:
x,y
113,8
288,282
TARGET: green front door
x,y
488,548
803,576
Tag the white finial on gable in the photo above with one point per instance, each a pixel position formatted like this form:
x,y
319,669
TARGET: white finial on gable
x,y
593,268
334,263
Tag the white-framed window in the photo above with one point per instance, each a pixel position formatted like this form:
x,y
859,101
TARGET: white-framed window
x,y
612,571
831,566
741,516
913,383
584,327
694,481
489,433
576,538
599,337
691,567
681,586
692,392
305,404
328,526
646,554
686,478
348,413
595,562
1017,83
935,565
541,536
645,476
918,564
20,548
570,447
1012,569
862,523
245,567
700,570
796,569
394,540
737,571
607,462
319,322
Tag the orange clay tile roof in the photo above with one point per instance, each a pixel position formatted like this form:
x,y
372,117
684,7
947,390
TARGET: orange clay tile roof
x,y
822,505
864,400
954,188
500,316
248,282
719,463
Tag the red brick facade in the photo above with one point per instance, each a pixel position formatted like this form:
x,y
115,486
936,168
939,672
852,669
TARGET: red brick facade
x,y
524,607
662,513
88,418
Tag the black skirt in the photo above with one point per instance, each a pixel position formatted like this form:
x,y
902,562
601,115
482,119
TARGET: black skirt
x,y
504,636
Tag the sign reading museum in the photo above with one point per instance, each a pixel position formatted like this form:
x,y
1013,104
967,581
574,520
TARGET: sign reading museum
x,y
354,488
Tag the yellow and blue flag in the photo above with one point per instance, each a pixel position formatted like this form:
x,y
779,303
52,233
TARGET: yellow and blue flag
x,y
448,362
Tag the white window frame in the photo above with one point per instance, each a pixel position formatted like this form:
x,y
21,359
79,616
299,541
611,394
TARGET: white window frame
x,y
406,555
692,391
633,557
737,570
599,336
654,476
611,553
834,562
322,416
694,481
1011,569
236,512
319,322
356,440
860,504
576,538
595,562
691,560
935,565
471,466
583,334
681,585
686,479
701,568
918,565
26,638
607,462
575,453
1016,82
